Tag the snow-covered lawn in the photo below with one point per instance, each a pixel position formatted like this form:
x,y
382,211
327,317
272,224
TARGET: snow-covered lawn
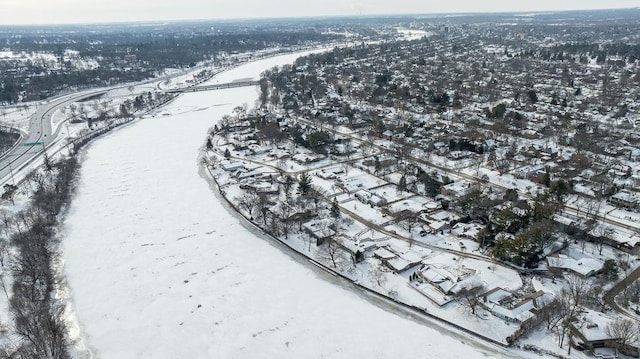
x,y
159,268
17,116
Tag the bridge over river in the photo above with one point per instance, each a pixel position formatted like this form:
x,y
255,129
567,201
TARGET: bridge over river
x,y
214,87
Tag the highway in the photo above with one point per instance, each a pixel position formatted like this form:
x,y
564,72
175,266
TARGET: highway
x,y
40,136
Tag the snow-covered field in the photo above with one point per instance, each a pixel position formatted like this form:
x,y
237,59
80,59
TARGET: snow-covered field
x,y
158,267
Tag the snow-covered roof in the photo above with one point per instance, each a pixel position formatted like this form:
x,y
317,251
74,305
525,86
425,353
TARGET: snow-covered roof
x,y
412,257
431,293
319,228
459,188
232,166
596,326
437,225
625,197
436,275
249,174
445,216
520,314
383,253
496,295
466,229
446,286
467,283
583,266
399,264
352,245
414,204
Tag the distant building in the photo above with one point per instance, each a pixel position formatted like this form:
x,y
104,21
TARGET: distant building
x,y
130,58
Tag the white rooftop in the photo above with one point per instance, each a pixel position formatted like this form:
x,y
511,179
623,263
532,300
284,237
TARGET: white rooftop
x,y
583,266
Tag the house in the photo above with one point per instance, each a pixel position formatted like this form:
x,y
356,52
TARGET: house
x,y
377,200
283,211
495,295
363,195
458,189
625,199
467,230
593,336
357,248
450,281
232,166
319,229
620,171
329,174
584,267
412,206
396,260
503,305
253,173
267,188
526,172
352,185
443,216
433,294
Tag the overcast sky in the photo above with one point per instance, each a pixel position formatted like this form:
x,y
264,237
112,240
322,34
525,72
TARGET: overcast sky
x,y
90,11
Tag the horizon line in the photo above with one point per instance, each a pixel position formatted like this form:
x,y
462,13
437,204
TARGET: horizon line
x,y
311,17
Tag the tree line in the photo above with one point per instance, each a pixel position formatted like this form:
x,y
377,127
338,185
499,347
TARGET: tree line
x,y
29,250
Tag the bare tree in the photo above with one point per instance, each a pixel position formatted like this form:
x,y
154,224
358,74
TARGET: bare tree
x,y
570,299
331,252
9,192
408,221
284,213
605,235
552,314
249,202
41,330
470,298
576,288
376,273
263,206
624,331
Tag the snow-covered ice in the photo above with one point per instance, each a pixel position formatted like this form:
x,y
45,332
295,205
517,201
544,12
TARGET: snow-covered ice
x,y
158,267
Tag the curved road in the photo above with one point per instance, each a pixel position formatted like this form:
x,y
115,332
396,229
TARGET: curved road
x,y
610,297
32,146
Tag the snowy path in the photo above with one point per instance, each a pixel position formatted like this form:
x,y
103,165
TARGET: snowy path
x,y
159,268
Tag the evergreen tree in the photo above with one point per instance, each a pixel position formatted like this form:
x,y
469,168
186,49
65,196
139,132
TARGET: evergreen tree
x,y
431,186
402,185
304,183
335,209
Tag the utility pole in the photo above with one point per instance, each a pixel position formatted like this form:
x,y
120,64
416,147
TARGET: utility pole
x,y
11,172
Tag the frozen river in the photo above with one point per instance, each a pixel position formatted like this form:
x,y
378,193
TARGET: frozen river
x,y
159,268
